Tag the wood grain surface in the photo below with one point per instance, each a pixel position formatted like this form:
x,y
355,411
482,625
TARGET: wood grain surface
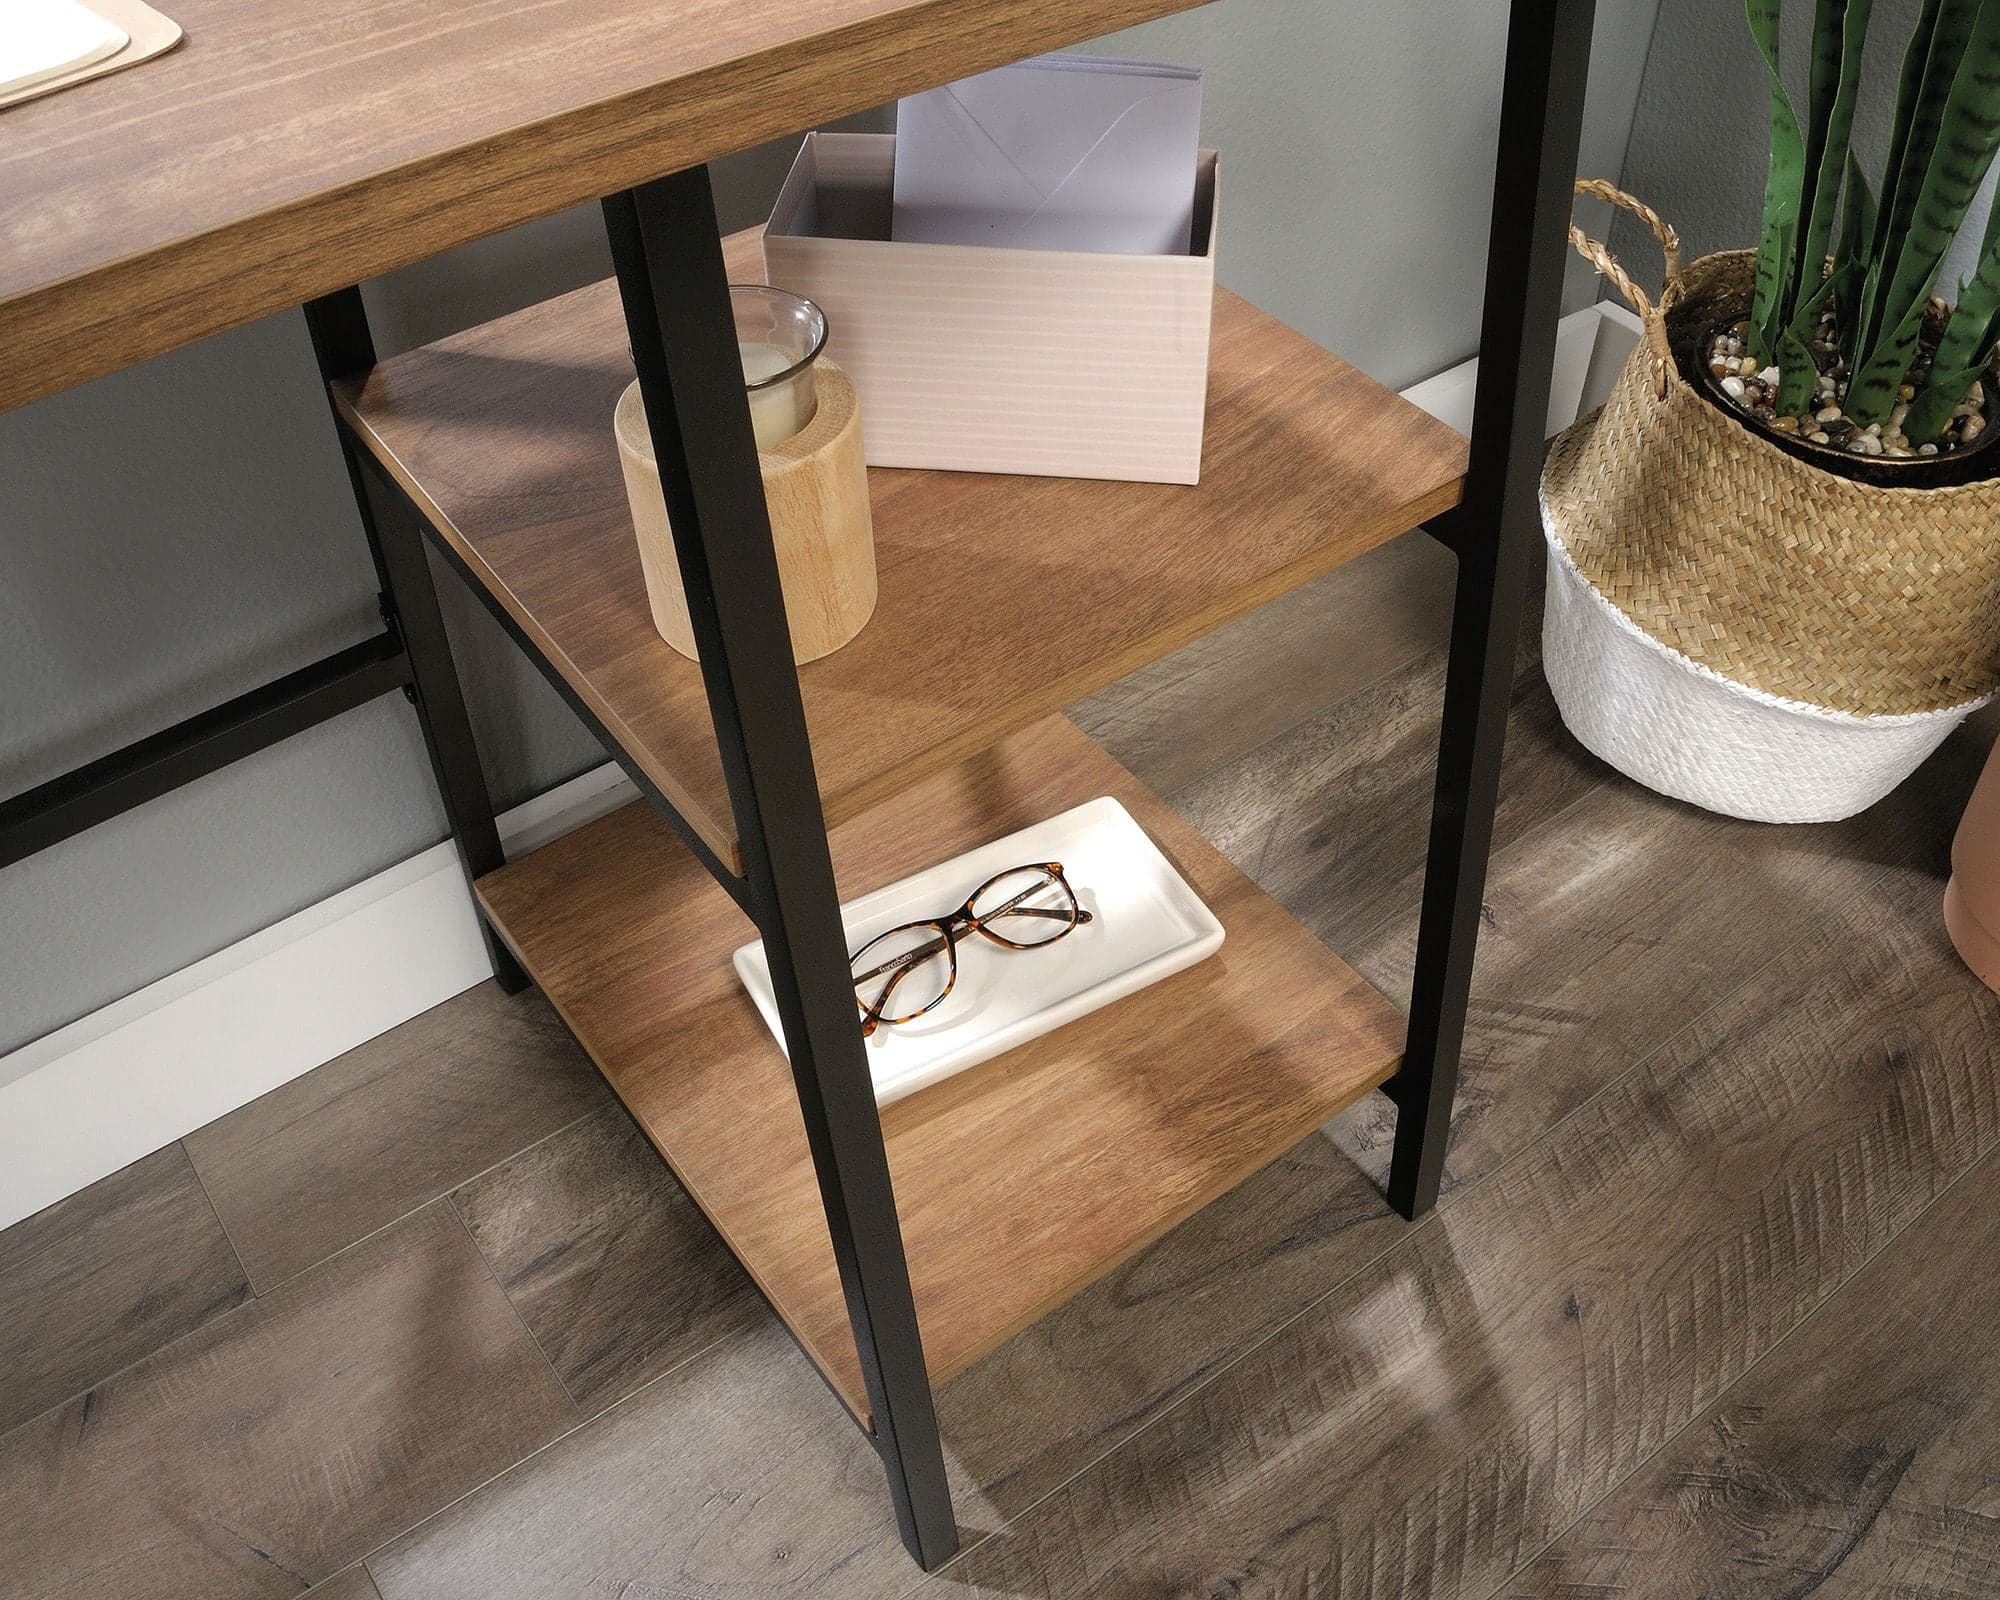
x,y
690,1490
280,1443
1334,818
353,1584
1615,919
106,1277
733,1475
1611,914
1061,1393
1861,1458
1001,599
1017,1183
287,149
384,1129
1205,707
1594,968
616,1274
1433,1425
621,1502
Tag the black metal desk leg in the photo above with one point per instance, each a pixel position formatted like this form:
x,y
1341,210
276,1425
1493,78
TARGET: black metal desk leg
x,y
344,347
1499,541
670,275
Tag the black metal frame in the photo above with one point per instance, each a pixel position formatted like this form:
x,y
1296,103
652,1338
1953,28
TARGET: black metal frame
x,y
66,805
667,251
411,654
1496,535
344,348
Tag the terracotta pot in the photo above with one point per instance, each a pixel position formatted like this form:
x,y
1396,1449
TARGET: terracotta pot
x,y
1972,898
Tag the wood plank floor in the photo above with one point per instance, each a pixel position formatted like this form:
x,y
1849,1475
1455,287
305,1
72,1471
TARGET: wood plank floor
x,y
1482,1386
1861,1457
106,1278
1708,1309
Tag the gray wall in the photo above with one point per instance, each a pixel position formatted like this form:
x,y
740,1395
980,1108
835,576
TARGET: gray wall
x,y
180,532
1701,138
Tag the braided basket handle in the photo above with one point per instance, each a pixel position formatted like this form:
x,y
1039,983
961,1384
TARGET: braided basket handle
x,y
1600,257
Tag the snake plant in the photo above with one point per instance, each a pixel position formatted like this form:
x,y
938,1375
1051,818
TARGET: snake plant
x,y
1892,240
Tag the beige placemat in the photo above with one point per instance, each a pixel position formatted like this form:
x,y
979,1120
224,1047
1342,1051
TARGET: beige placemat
x,y
150,34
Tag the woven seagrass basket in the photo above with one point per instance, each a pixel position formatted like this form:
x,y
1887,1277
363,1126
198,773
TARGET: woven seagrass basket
x,y
1734,626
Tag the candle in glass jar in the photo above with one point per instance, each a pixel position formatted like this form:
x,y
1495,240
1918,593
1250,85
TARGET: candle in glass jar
x,y
780,410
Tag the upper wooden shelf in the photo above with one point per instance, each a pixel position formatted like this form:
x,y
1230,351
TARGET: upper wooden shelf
x,y
288,148
1001,598
1018,1182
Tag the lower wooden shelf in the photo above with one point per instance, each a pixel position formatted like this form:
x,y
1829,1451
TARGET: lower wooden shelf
x,y
1018,1183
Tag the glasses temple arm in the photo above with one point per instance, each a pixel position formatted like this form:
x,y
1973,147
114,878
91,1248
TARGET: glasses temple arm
x,y
907,960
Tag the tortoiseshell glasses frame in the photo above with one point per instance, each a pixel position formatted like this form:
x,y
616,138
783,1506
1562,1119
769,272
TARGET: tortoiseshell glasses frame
x,y
887,969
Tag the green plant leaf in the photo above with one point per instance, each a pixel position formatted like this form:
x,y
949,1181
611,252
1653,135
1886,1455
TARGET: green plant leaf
x,y
1840,36
1933,407
1966,349
1930,70
1798,380
1967,336
1806,322
1763,337
1871,392
1783,187
1857,229
1798,373
1968,135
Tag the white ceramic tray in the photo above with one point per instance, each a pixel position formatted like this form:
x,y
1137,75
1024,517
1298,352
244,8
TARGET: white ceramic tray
x,y
1146,923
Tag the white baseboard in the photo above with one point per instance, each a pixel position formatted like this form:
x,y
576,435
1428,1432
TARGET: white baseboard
x,y
1591,345
122,1082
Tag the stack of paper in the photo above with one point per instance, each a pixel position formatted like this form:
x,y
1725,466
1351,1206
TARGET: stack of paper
x,y
1063,152
43,39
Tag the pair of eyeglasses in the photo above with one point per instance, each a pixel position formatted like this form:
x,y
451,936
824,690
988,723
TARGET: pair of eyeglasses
x,y
901,974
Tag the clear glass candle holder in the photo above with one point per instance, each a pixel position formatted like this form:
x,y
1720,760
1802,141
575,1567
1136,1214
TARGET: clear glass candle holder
x,y
779,336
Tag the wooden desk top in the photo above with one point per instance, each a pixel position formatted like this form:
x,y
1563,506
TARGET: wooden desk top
x,y
288,148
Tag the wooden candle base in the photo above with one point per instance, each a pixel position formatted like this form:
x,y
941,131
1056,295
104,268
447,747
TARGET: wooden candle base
x,y
816,487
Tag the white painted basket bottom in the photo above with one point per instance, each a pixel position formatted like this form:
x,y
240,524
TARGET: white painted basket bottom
x,y
1684,730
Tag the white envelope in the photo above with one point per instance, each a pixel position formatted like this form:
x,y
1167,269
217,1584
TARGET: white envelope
x,y
1063,152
